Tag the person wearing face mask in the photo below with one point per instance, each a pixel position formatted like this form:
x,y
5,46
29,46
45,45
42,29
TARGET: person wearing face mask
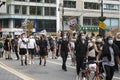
x,y
109,53
63,51
81,52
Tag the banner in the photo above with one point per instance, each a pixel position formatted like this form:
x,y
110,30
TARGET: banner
x,y
72,23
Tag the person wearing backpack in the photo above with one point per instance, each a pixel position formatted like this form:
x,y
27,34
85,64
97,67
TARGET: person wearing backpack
x,y
22,47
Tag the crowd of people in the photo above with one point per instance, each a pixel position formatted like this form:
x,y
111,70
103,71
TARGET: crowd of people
x,y
79,46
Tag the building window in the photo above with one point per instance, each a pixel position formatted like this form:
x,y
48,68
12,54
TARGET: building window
x,y
50,11
32,10
4,23
39,0
49,25
17,23
50,1
35,0
111,7
39,10
24,9
20,0
17,9
90,21
89,5
86,21
32,0
112,23
70,4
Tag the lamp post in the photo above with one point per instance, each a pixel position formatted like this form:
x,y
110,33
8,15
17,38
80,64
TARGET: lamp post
x,y
102,18
61,8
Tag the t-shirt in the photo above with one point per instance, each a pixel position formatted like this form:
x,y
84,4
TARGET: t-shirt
x,y
31,43
43,45
64,45
23,42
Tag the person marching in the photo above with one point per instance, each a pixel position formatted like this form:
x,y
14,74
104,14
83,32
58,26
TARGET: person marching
x,y
16,47
81,52
7,48
109,53
63,51
43,45
22,47
31,49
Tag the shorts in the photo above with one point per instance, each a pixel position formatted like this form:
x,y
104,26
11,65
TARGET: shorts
x,y
23,51
31,51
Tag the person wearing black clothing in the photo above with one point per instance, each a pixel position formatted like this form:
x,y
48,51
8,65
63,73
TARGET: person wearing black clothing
x,y
43,45
64,49
109,54
7,48
16,47
81,51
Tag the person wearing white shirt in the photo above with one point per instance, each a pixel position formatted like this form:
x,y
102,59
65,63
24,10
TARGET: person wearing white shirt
x,y
31,49
22,47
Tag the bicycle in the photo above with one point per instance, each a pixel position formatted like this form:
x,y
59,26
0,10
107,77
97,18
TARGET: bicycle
x,y
91,72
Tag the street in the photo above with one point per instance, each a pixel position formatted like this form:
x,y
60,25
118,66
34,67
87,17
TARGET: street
x,y
12,70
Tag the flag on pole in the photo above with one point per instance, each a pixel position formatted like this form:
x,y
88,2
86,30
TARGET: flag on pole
x,y
44,32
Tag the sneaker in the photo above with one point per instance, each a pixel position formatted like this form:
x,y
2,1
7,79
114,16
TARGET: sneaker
x,y
32,62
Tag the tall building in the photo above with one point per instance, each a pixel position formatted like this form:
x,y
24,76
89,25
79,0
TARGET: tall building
x,y
41,12
86,13
57,15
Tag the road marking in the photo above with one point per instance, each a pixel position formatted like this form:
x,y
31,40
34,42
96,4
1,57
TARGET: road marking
x,y
15,72
74,67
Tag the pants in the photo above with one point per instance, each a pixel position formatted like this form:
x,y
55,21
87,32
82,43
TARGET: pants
x,y
79,65
64,55
109,70
16,52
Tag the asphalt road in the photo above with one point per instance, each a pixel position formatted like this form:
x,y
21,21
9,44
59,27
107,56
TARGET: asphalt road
x,y
52,71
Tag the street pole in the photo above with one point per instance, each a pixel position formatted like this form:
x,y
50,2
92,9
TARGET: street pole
x,y
102,31
62,11
101,8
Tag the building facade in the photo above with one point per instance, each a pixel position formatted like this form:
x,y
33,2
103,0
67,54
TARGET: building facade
x,y
57,15
88,11
41,12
